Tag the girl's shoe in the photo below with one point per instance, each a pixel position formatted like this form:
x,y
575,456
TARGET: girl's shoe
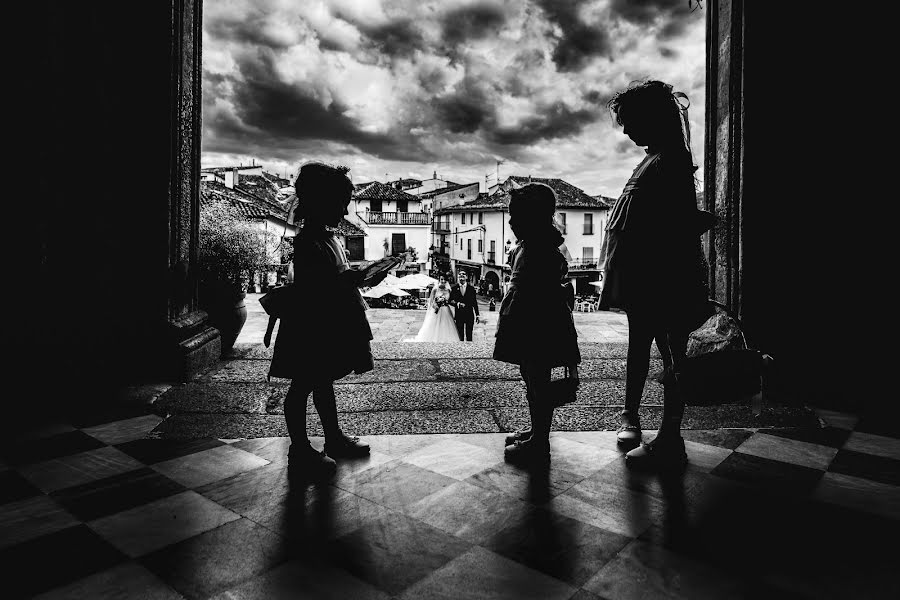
x,y
310,465
529,452
629,436
521,435
346,446
664,455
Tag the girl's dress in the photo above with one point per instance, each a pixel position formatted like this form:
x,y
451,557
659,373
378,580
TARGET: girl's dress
x,y
651,251
439,325
325,334
535,326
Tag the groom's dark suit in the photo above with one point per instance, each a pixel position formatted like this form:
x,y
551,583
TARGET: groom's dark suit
x,y
465,316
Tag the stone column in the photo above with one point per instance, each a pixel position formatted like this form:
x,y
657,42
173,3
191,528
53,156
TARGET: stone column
x,y
193,344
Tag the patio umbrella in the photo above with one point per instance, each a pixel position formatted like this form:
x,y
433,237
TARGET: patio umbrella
x,y
597,283
383,290
416,281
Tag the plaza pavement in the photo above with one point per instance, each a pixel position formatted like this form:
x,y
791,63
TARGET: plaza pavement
x,y
426,388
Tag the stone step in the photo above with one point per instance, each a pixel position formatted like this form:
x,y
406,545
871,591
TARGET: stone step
x,y
422,370
401,422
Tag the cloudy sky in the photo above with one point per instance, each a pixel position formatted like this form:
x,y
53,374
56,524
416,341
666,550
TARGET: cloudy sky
x,y
404,88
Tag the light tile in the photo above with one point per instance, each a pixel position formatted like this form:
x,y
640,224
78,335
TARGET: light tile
x,y
67,471
468,511
452,458
580,458
787,450
128,580
482,574
642,570
394,484
705,457
298,579
207,466
119,432
869,443
31,518
152,526
859,494
615,509
601,439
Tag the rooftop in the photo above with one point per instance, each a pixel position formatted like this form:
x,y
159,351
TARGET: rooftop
x,y
375,190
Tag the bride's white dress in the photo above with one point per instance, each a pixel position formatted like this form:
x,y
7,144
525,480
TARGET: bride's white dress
x,y
438,326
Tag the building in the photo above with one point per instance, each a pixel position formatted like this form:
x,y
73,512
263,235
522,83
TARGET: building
x,y
452,195
392,220
476,238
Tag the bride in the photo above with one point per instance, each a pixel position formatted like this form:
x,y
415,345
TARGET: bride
x,y
439,325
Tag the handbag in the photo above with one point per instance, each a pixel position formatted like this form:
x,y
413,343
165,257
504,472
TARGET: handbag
x,y
563,390
719,367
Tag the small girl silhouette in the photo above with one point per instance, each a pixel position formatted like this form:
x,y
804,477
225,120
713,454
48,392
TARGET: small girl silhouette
x,y
535,328
324,334
654,268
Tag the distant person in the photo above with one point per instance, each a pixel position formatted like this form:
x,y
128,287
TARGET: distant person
x,y
654,267
534,326
324,334
439,324
463,299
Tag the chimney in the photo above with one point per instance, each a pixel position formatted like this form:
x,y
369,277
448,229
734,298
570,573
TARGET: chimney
x,y
231,178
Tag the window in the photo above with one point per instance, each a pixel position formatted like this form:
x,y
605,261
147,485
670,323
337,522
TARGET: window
x,y
460,245
469,248
588,224
562,222
492,255
587,254
402,205
463,216
480,246
480,218
375,205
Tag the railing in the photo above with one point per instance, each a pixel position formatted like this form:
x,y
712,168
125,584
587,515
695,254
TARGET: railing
x,y
396,218
441,228
582,264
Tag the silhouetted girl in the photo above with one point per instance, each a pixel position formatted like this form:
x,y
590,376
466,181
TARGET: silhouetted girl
x,y
654,266
325,335
535,328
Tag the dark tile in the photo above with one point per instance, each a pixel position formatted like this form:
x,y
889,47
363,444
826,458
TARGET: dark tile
x,y
394,484
559,546
54,560
150,451
219,559
106,414
114,494
261,490
394,551
867,466
772,475
823,436
724,438
15,487
617,473
55,446
878,425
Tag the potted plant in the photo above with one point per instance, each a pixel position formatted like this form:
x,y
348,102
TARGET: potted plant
x,y
231,248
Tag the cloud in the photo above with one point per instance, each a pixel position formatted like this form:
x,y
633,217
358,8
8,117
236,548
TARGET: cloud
x,y
577,41
670,16
403,86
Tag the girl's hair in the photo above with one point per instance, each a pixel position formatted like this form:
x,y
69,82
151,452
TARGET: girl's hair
x,y
531,207
315,182
655,101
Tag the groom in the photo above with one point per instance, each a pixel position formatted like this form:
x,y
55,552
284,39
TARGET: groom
x,y
462,296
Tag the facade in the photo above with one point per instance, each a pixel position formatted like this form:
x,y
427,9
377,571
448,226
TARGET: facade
x,y
452,195
392,221
477,239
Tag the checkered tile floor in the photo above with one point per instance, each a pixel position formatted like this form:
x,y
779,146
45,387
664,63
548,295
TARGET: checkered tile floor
x,y
98,509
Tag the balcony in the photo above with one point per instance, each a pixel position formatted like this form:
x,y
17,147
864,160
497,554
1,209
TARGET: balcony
x,y
584,264
395,218
491,258
441,227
